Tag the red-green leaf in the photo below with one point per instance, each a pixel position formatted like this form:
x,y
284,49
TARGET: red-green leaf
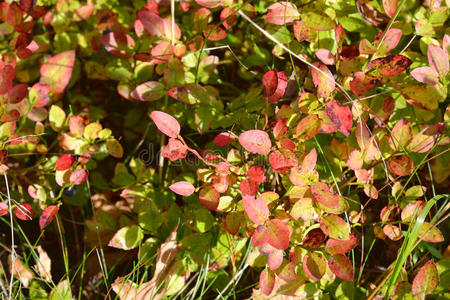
x,y
335,227
430,233
341,266
425,139
148,91
209,198
39,94
157,26
118,44
248,187
317,19
308,127
166,123
390,6
362,83
340,115
391,39
438,60
48,215
401,135
325,84
390,65
410,209
233,222
278,234
401,165
266,281
209,3
57,71
424,97
114,148
341,246
260,236
23,212
256,209
281,13
183,188
314,264
321,192
78,176
64,162
426,280
256,141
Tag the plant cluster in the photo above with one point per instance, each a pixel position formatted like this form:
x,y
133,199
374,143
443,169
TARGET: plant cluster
x,y
307,140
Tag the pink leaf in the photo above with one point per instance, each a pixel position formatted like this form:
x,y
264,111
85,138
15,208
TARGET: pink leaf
x,y
166,123
57,71
281,13
256,209
278,233
182,188
438,59
391,40
78,176
209,3
4,208
174,150
341,266
118,44
425,75
256,141
326,56
224,139
157,26
266,281
390,6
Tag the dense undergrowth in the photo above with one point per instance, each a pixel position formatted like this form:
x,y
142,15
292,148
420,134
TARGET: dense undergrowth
x,y
224,149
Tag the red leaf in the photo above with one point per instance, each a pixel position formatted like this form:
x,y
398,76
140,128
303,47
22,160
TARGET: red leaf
x,y
162,52
362,83
214,33
256,141
390,65
341,266
340,115
259,236
209,198
48,215
278,233
325,84
266,281
341,246
83,12
174,150
274,85
24,212
281,13
256,209
182,188
64,162
78,176
321,192
339,35
314,238
57,71
280,128
166,123
348,52
17,93
4,208
438,60
426,280
248,187
314,265
223,139
256,173
283,161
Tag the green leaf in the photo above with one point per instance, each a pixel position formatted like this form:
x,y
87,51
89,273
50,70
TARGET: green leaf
x,y
316,19
127,238
57,116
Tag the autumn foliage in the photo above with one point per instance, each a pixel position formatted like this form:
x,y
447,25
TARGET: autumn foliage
x,y
307,141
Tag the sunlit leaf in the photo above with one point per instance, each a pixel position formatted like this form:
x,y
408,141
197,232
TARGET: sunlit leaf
x,y
256,209
335,227
48,215
166,123
57,71
281,13
426,280
256,141
341,266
